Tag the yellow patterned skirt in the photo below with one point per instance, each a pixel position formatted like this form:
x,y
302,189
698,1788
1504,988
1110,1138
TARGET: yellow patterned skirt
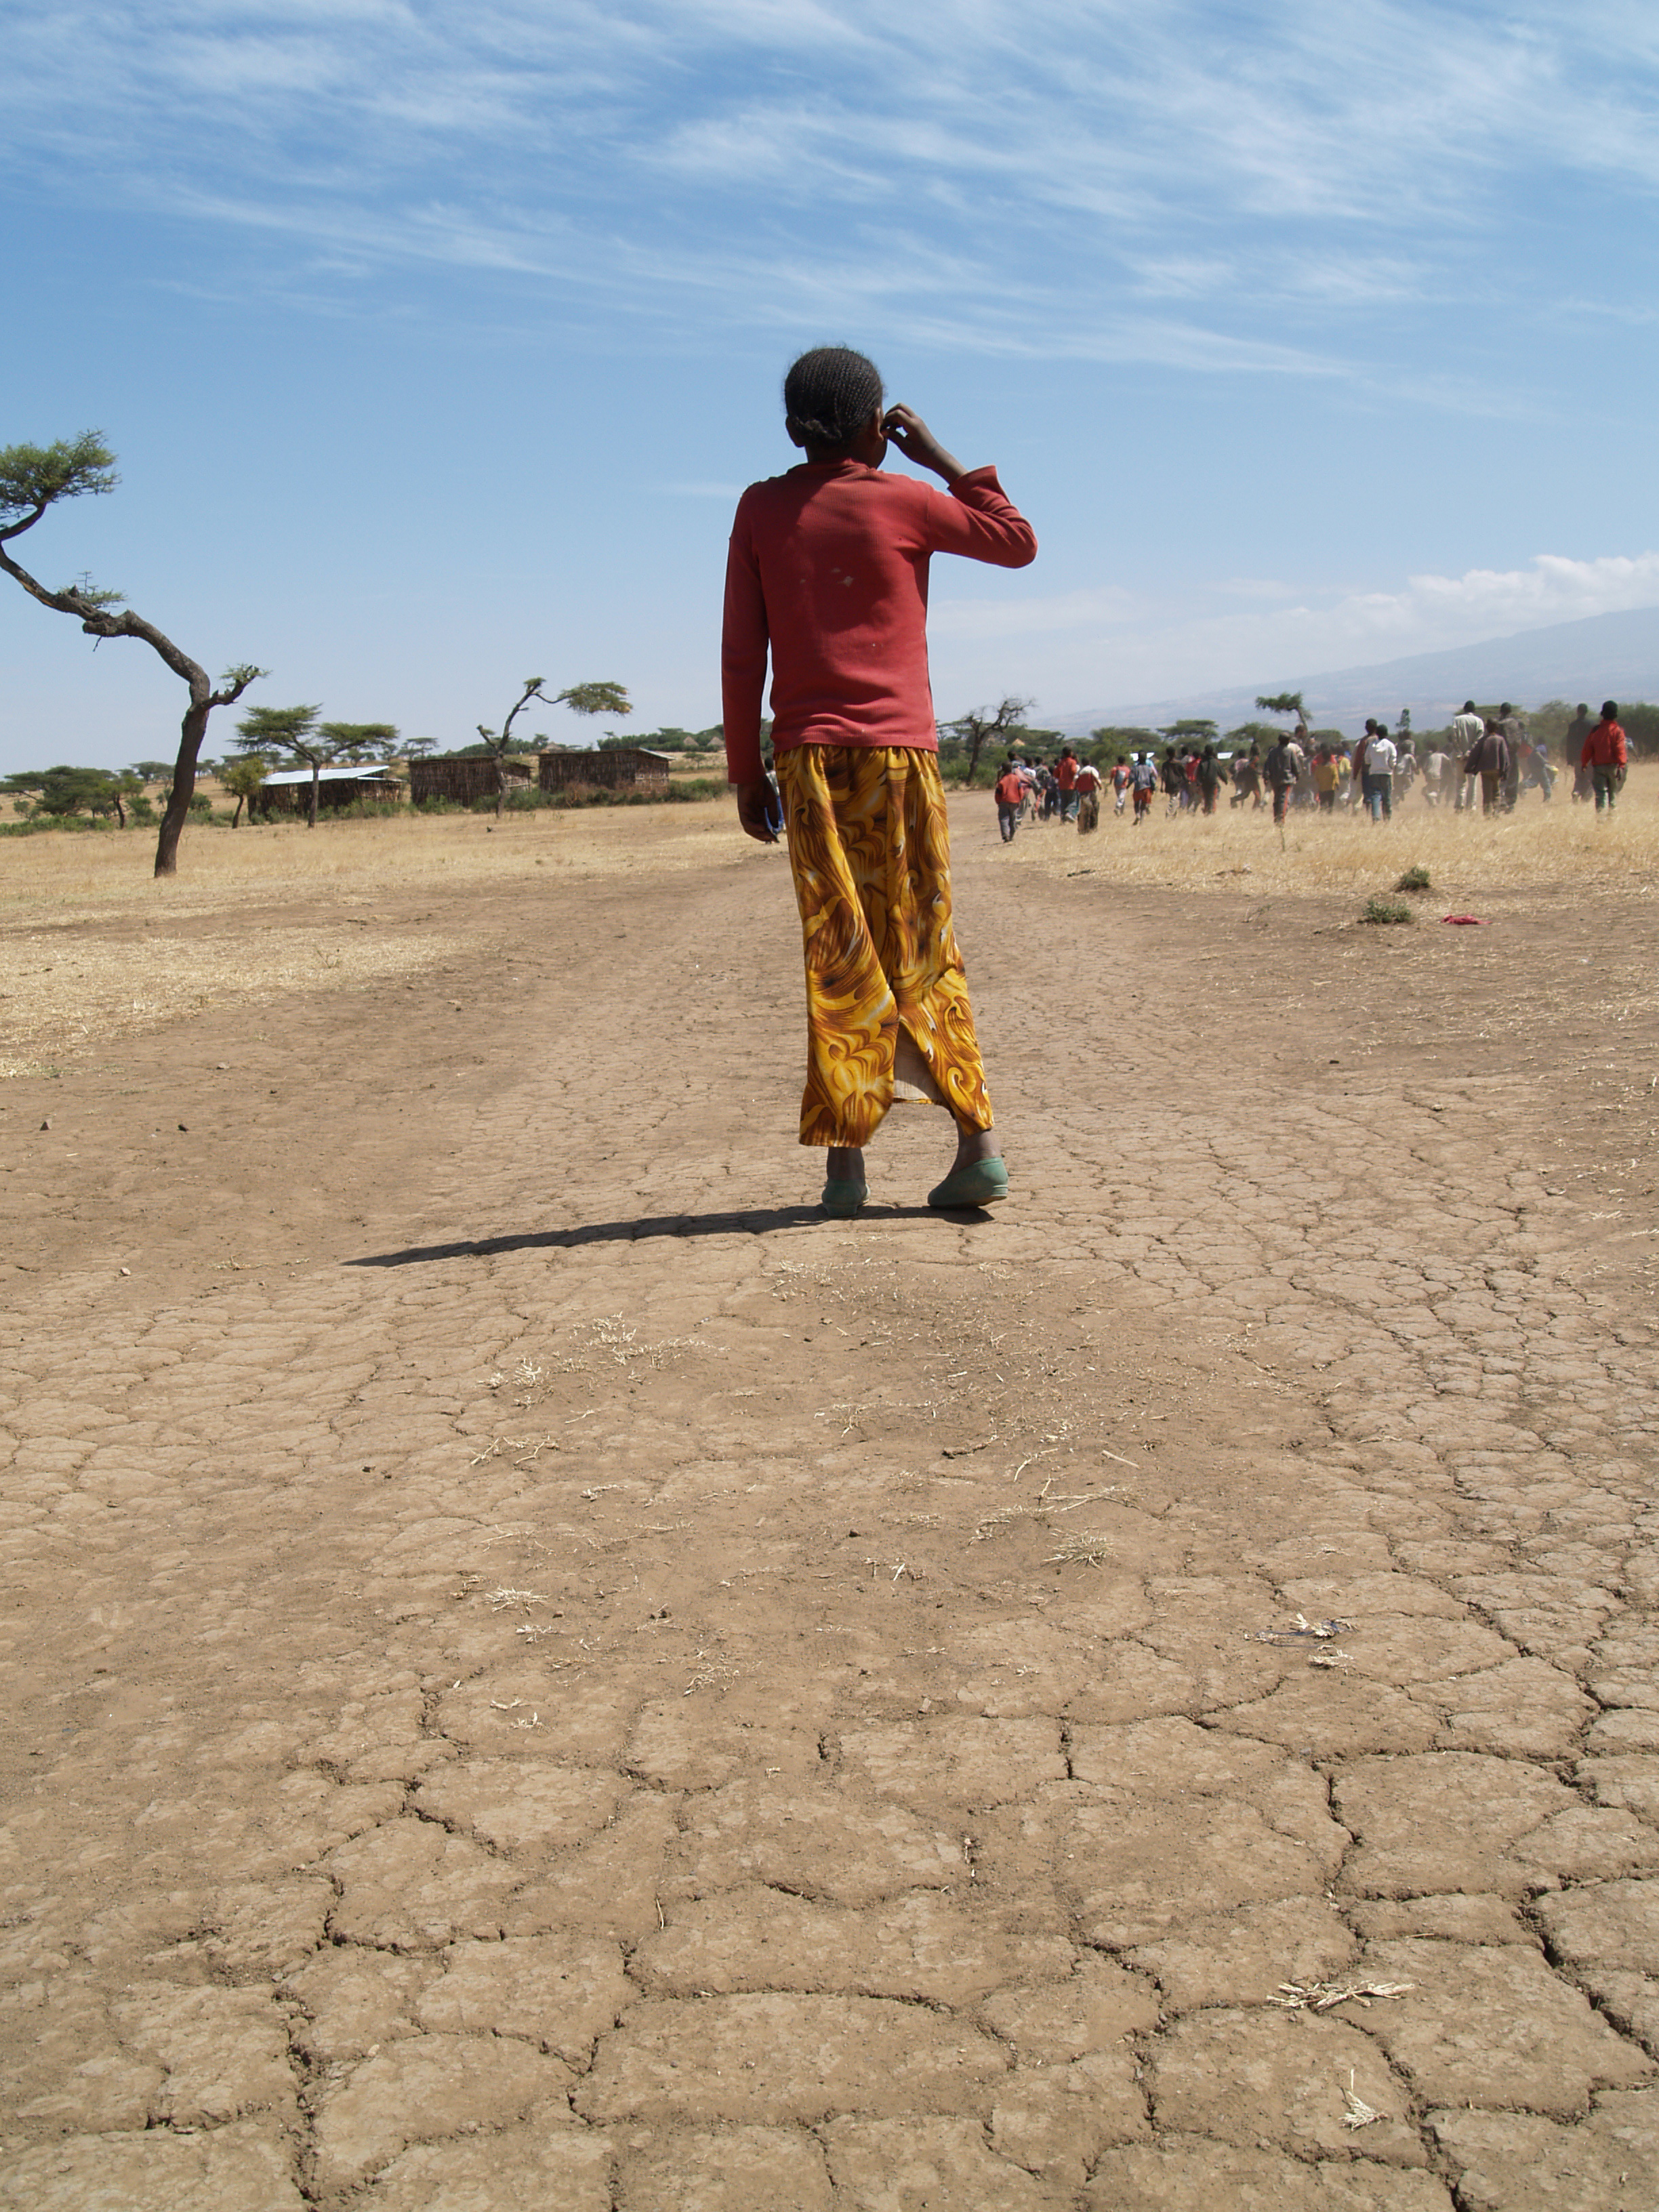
x,y
887,1011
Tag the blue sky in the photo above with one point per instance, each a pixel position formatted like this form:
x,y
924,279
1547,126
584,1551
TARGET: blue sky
x,y
436,340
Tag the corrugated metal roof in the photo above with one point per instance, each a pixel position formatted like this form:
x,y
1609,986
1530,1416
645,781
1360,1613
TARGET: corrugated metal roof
x,y
362,774
644,752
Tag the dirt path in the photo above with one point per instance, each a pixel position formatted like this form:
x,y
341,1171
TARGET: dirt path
x,y
540,1672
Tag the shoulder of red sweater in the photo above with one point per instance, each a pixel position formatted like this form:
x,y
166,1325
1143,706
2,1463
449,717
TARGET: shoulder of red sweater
x,y
813,475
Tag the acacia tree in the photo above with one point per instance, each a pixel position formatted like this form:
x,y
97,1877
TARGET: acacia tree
x,y
33,478
242,779
978,729
291,731
580,698
1283,703
362,741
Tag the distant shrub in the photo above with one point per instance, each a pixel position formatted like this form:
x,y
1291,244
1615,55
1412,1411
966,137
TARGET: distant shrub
x,y
1381,909
1414,879
41,826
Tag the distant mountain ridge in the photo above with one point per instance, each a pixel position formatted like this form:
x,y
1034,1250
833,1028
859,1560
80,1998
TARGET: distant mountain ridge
x,y
1601,656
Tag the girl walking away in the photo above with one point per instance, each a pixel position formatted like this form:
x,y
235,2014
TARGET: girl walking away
x,y
828,569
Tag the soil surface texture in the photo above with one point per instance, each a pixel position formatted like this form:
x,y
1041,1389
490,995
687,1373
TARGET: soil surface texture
x,y
540,1672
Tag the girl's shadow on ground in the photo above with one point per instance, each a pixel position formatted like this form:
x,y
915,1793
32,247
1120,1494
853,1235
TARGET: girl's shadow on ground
x,y
753,1221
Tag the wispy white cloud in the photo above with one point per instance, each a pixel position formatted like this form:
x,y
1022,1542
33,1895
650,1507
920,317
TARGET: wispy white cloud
x,y
1283,171
1554,588
1110,643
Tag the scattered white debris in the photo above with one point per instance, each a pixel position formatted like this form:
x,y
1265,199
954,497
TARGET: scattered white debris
x,y
1359,2114
1320,1996
1321,1630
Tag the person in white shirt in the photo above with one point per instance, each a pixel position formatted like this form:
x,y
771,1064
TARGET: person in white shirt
x,y
1378,782
1466,731
1438,776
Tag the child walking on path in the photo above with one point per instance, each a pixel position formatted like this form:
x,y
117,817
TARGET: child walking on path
x,y
828,570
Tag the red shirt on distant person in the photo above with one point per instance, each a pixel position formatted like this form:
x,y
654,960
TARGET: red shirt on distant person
x,y
1604,746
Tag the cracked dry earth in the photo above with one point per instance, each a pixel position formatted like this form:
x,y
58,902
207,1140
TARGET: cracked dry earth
x,y
541,1673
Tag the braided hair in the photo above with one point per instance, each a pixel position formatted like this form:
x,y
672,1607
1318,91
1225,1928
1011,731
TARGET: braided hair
x,y
828,395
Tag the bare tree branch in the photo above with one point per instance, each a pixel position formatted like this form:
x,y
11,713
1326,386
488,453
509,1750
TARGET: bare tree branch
x,y
32,479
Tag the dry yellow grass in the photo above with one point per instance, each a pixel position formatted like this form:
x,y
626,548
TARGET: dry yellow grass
x,y
96,948
63,991
1537,850
220,868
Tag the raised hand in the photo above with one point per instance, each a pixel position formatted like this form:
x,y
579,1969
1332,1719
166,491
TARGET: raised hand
x,y
917,443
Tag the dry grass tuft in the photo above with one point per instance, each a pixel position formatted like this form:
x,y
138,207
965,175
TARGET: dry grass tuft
x,y
1384,911
1320,1996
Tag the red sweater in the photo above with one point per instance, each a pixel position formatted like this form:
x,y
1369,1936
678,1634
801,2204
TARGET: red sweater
x,y
828,567
1604,747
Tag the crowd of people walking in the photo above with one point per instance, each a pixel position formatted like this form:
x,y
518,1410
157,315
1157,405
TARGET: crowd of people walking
x,y
1484,762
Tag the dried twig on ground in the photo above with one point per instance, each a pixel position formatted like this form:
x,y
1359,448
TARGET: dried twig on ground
x,y
1303,1627
1320,1996
523,1448
1081,1551
1359,2114
521,1599
1047,1502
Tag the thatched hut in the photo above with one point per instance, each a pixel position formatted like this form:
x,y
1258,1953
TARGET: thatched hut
x,y
288,792
463,778
607,767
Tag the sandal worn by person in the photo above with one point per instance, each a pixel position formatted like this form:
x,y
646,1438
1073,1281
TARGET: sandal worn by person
x,y
982,1183
843,1199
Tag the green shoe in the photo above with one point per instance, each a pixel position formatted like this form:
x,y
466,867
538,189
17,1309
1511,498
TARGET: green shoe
x,y
843,1199
981,1184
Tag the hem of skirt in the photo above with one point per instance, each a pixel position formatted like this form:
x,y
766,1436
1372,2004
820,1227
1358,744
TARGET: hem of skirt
x,y
843,1141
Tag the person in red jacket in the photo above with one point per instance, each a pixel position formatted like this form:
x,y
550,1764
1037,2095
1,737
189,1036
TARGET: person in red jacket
x,y
1009,797
1605,756
1065,768
827,573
